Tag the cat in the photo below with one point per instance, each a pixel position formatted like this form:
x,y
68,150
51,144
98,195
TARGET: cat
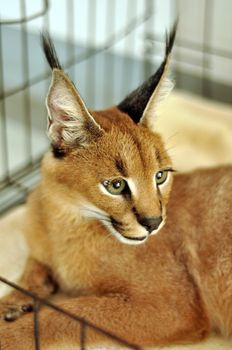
x,y
138,250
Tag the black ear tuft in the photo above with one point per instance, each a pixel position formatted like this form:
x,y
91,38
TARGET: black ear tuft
x,y
49,51
170,39
135,103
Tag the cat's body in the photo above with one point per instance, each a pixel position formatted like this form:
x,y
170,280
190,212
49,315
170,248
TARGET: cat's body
x,y
104,191
188,262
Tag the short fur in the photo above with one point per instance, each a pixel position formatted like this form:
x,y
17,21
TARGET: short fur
x,y
173,287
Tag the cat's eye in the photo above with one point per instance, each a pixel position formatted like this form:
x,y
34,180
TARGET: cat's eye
x,y
161,177
115,186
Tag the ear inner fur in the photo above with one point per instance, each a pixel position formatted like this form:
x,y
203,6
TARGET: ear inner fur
x,y
174,289
70,123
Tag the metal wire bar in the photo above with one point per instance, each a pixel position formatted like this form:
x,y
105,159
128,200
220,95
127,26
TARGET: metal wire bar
x,y
151,6
110,42
82,335
205,86
91,26
19,174
26,95
110,25
70,12
191,45
18,185
129,71
70,315
4,146
24,18
177,53
72,60
36,307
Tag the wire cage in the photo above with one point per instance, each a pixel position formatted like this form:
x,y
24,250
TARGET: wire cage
x,y
25,79
108,47
37,303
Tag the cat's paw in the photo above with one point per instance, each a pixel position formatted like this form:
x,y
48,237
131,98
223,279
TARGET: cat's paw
x,y
9,337
17,335
12,311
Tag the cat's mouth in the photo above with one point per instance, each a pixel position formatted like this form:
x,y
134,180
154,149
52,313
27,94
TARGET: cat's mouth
x,y
141,239
126,239
118,230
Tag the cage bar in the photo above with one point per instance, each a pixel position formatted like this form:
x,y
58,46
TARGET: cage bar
x,y
122,72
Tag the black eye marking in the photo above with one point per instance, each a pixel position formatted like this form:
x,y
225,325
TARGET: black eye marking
x,y
117,224
121,167
158,156
126,192
135,212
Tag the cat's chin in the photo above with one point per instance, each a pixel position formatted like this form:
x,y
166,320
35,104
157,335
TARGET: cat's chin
x,y
126,239
131,240
135,240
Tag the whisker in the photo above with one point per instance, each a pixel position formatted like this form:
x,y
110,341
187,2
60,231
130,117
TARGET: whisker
x,y
170,137
99,216
167,150
96,214
106,220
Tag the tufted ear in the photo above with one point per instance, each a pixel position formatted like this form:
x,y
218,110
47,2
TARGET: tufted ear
x,y
142,103
69,122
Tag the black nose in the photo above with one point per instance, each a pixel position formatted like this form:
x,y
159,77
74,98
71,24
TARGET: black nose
x,y
151,223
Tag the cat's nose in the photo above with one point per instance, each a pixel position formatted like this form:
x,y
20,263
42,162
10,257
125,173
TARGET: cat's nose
x,y
151,223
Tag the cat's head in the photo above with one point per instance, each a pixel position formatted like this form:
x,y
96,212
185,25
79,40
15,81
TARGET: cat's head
x,y
110,165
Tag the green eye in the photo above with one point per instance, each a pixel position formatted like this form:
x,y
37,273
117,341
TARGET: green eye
x,y
115,186
161,177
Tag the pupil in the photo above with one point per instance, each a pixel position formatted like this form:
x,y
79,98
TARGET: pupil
x,y
117,184
159,175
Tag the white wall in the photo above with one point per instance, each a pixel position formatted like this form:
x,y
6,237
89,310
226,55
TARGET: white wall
x,y
218,36
112,16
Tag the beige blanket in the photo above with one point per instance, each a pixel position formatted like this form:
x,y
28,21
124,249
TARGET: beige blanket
x,y
197,132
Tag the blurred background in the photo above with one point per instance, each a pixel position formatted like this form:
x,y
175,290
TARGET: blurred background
x,y
108,47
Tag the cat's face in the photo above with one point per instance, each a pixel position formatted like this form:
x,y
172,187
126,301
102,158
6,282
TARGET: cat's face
x,y
110,165
122,179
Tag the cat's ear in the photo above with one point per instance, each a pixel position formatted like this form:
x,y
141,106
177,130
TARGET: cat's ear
x,y
142,103
69,122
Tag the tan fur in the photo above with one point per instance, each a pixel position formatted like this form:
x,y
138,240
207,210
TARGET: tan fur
x,y
68,115
173,288
161,91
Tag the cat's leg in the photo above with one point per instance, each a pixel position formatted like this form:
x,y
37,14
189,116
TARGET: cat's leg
x,y
37,278
138,321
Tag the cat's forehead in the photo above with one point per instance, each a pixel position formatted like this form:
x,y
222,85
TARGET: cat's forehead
x,y
127,146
